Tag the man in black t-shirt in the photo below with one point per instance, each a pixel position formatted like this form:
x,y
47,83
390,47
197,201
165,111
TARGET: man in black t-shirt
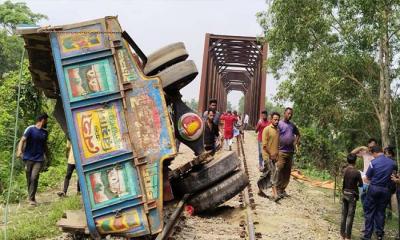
x,y
351,181
211,132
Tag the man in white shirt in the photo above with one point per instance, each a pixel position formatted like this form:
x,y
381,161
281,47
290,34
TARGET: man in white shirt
x,y
245,124
365,153
245,121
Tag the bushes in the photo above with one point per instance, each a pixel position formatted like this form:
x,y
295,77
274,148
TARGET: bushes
x,y
32,102
52,177
320,150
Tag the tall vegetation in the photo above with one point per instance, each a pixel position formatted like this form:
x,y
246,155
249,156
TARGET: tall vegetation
x,y
32,102
339,63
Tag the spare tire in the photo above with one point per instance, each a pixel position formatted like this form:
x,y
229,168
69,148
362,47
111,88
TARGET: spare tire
x,y
178,75
165,57
220,193
208,174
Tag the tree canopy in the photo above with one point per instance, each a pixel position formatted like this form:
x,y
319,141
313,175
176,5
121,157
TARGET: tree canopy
x,y
12,14
339,58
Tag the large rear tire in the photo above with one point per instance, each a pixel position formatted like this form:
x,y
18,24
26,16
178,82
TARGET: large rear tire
x,y
165,57
208,174
223,191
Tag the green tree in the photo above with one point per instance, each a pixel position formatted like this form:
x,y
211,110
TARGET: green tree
x,y
340,57
32,102
12,14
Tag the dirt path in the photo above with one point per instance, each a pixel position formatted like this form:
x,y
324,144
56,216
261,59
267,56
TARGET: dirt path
x,y
308,214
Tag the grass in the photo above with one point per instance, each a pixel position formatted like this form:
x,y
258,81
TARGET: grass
x,y
27,222
316,174
48,180
391,225
38,222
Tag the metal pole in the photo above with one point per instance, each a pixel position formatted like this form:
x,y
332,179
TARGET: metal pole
x,y
173,220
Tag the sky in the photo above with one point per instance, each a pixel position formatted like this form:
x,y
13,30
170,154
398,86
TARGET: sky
x,y
156,23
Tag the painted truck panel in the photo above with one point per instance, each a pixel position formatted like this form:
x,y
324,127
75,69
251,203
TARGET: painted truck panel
x,y
119,128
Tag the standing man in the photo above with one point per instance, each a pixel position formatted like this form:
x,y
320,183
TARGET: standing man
x,y
396,178
261,124
378,175
70,169
212,106
365,153
237,127
351,182
211,133
32,149
270,151
289,137
229,120
245,123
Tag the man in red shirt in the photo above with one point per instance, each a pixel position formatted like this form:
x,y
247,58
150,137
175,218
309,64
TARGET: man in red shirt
x,y
261,124
229,120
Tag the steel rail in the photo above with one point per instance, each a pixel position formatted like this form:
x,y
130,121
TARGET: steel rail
x,y
249,201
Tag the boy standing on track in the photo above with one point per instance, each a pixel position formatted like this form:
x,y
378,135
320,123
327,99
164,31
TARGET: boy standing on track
x,y
229,120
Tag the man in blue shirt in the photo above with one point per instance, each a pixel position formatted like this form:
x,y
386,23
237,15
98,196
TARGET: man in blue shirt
x,y
378,195
32,149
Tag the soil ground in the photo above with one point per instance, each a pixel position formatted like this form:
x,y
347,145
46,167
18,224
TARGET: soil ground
x,y
310,212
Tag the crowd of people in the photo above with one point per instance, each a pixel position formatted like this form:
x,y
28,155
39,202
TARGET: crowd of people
x,y
374,185
229,123
278,140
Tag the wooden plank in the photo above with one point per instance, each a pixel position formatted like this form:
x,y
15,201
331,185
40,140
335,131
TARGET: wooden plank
x,y
74,221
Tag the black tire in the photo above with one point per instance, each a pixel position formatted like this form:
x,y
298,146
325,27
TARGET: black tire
x,y
208,174
220,193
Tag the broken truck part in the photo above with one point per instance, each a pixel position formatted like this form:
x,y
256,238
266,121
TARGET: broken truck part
x,y
122,111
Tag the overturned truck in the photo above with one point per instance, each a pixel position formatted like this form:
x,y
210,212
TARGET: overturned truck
x,y
122,112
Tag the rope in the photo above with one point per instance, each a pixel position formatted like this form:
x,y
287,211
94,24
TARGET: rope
x,y
14,146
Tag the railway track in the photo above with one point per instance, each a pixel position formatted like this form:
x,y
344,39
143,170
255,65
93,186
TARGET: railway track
x,y
247,201
178,227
